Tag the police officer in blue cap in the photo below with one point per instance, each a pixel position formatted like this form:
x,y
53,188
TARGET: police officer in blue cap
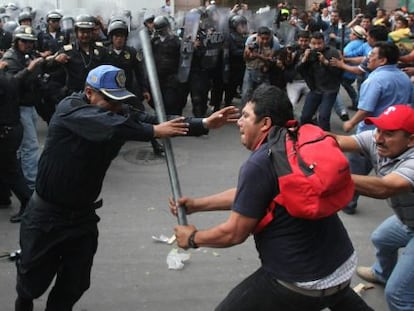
x,y
59,232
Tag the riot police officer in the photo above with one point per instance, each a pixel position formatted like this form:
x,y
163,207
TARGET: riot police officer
x,y
236,40
25,64
126,58
11,133
25,18
130,60
206,66
49,42
53,39
5,38
82,55
166,51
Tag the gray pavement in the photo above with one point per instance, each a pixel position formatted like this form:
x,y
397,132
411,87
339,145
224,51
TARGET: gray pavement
x,y
130,271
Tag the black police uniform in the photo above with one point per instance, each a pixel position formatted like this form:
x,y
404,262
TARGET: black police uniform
x,y
59,228
80,63
166,53
54,78
11,133
131,62
236,44
28,81
206,71
5,40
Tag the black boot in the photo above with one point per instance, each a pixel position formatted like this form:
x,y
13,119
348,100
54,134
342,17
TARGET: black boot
x,y
18,216
23,304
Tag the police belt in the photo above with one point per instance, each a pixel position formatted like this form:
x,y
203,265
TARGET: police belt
x,y
315,292
79,211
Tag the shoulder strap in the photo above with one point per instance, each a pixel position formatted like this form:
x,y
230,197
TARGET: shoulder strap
x,y
277,152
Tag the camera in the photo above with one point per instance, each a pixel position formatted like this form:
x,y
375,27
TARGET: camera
x,y
313,56
253,46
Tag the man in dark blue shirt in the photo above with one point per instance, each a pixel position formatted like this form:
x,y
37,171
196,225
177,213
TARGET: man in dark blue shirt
x,y
58,235
306,264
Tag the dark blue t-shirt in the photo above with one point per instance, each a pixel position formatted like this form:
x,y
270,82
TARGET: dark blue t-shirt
x,y
292,249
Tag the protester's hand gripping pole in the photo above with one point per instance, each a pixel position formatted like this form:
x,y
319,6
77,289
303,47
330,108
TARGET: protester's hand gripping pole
x,y
159,109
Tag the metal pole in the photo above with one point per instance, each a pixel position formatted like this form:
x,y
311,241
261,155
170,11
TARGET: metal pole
x,y
353,9
159,108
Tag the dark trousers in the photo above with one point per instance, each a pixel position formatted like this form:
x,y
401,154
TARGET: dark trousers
x,y
55,243
199,85
318,101
261,292
11,175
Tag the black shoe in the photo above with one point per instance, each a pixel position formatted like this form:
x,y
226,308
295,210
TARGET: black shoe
x,y
344,117
349,210
17,217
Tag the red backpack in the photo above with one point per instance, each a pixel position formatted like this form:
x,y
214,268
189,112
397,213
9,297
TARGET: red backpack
x,y
313,174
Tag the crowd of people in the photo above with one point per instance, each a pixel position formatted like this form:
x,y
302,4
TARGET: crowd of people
x,y
76,77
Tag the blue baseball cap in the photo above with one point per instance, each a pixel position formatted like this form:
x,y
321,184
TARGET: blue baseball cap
x,y
110,81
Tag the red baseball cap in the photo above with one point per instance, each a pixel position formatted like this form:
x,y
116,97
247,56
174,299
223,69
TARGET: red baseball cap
x,y
397,117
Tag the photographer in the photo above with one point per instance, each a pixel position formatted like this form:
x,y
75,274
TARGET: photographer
x,y
322,79
259,51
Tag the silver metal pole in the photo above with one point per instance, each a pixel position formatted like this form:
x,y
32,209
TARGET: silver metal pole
x,y
159,109
353,9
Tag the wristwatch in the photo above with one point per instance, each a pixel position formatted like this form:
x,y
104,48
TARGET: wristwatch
x,y
191,243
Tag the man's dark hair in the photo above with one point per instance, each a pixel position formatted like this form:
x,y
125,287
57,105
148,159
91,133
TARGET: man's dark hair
x,y
263,31
389,51
317,35
270,101
378,33
303,34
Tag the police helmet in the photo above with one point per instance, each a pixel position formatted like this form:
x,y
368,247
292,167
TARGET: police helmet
x,y
10,26
117,25
200,11
149,18
4,18
161,22
237,20
85,21
67,23
24,16
12,6
53,15
24,32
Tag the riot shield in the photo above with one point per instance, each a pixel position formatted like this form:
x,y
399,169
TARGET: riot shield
x,y
191,24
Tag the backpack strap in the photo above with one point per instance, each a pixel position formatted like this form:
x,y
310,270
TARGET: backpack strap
x,y
277,151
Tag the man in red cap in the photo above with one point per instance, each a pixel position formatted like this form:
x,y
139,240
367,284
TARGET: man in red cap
x,y
389,147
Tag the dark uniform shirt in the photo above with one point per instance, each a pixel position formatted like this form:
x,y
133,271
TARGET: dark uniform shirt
x,y
82,141
28,80
9,108
80,63
131,62
5,40
46,42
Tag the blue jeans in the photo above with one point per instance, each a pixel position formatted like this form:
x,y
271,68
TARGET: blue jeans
x,y
322,101
396,271
353,95
29,148
251,80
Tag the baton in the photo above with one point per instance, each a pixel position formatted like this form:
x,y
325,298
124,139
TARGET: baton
x,y
159,109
